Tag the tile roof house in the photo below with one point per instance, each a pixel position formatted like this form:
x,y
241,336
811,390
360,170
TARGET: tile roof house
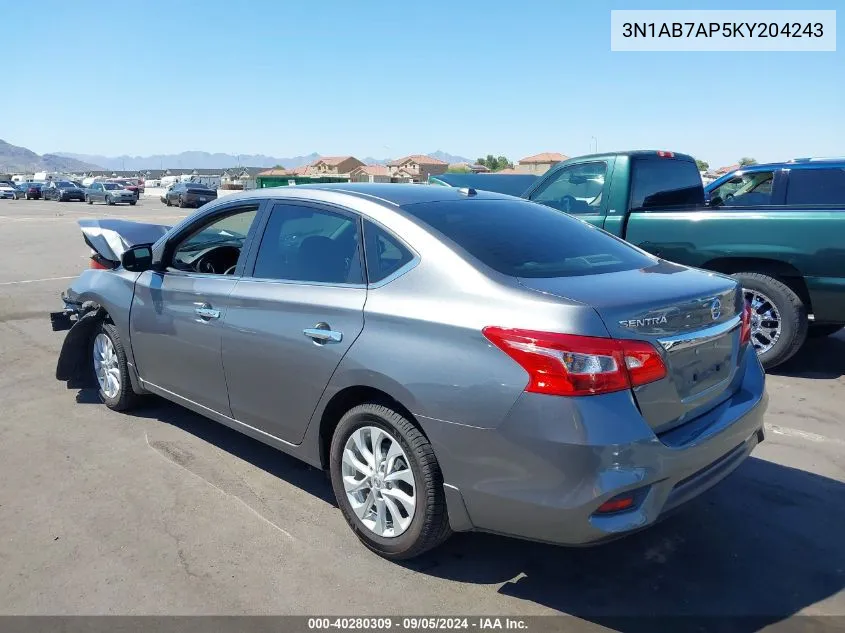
x,y
370,173
240,177
417,167
540,163
721,171
335,165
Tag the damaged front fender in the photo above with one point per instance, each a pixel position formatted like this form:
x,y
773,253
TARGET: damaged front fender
x,y
74,364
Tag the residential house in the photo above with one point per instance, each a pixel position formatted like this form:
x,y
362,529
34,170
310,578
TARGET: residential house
x,y
540,163
416,168
370,173
335,165
721,171
240,177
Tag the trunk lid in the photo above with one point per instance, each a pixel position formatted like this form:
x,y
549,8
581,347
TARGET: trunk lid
x,y
691,316
110,238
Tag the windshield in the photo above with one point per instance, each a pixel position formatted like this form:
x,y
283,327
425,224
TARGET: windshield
x,y
65,183
111,186
523,239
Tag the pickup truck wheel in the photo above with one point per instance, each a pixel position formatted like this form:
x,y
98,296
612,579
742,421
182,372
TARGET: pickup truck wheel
x,y
110,369
778,318
823,329
388,483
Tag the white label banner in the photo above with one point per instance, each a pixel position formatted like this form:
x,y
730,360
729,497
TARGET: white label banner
x,y
728,30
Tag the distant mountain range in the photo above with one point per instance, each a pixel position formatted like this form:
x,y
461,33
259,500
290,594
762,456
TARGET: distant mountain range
x,y
19,159
205,160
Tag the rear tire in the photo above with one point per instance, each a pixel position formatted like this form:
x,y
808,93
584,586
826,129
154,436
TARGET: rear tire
x,y
793,322
109,349
132,203
429,525
823,329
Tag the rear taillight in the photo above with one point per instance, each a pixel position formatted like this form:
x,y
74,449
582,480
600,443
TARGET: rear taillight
x,y
665,154
745,327
570,365
96,265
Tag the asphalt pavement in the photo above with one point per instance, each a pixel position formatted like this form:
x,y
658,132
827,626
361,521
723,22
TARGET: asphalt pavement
x,y
164,512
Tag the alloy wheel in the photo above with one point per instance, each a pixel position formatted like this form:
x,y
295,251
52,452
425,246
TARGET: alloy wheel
x,y
106,366
766,322
379,482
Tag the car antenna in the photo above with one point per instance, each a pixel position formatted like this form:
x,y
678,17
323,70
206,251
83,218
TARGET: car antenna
x,y
467,191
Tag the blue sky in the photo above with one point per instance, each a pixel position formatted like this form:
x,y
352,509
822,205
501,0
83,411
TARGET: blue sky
x,y
372,78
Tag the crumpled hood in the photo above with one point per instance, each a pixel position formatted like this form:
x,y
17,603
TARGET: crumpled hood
x,y
111,238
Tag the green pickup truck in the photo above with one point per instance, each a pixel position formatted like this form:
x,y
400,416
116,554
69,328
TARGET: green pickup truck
x,y
778,230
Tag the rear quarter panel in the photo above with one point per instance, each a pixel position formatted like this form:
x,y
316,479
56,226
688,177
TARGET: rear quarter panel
x,y
811,241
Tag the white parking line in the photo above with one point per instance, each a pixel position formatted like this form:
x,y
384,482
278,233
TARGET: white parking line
x,y
35,281
804,435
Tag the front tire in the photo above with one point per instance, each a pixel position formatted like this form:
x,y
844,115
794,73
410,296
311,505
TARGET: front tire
x,y
109,201
778,318
88,200
110,369
132,203
181,203
388,483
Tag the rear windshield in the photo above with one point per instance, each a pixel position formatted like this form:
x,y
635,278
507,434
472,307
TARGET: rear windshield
x,y
665,182
524,239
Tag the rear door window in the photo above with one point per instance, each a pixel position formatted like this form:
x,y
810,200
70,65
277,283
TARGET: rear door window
x,y
310,244
385,253
816,187
658,182
523,239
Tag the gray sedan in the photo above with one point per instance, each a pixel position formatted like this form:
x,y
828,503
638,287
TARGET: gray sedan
x,y
110,193
457,360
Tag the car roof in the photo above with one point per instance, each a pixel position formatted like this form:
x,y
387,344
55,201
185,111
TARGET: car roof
x,y
511,184
633,153
802,163
394,194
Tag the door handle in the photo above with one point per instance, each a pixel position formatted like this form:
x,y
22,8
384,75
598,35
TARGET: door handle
x,y
323,335
207,312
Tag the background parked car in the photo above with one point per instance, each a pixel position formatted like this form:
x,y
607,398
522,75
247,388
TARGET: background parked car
x,y
30,190
110,193
134,185
7,191
189,194
62,191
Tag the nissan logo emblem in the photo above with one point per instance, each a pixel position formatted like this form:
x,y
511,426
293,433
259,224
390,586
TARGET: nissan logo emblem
x,y
716,309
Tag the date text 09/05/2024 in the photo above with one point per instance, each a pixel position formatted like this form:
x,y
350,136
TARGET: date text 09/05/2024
x,y
723,29
416,623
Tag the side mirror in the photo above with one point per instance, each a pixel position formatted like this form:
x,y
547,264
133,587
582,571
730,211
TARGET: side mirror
x,y
138,258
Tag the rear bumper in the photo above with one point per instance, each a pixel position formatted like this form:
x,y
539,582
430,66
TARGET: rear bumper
x,y
543,474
